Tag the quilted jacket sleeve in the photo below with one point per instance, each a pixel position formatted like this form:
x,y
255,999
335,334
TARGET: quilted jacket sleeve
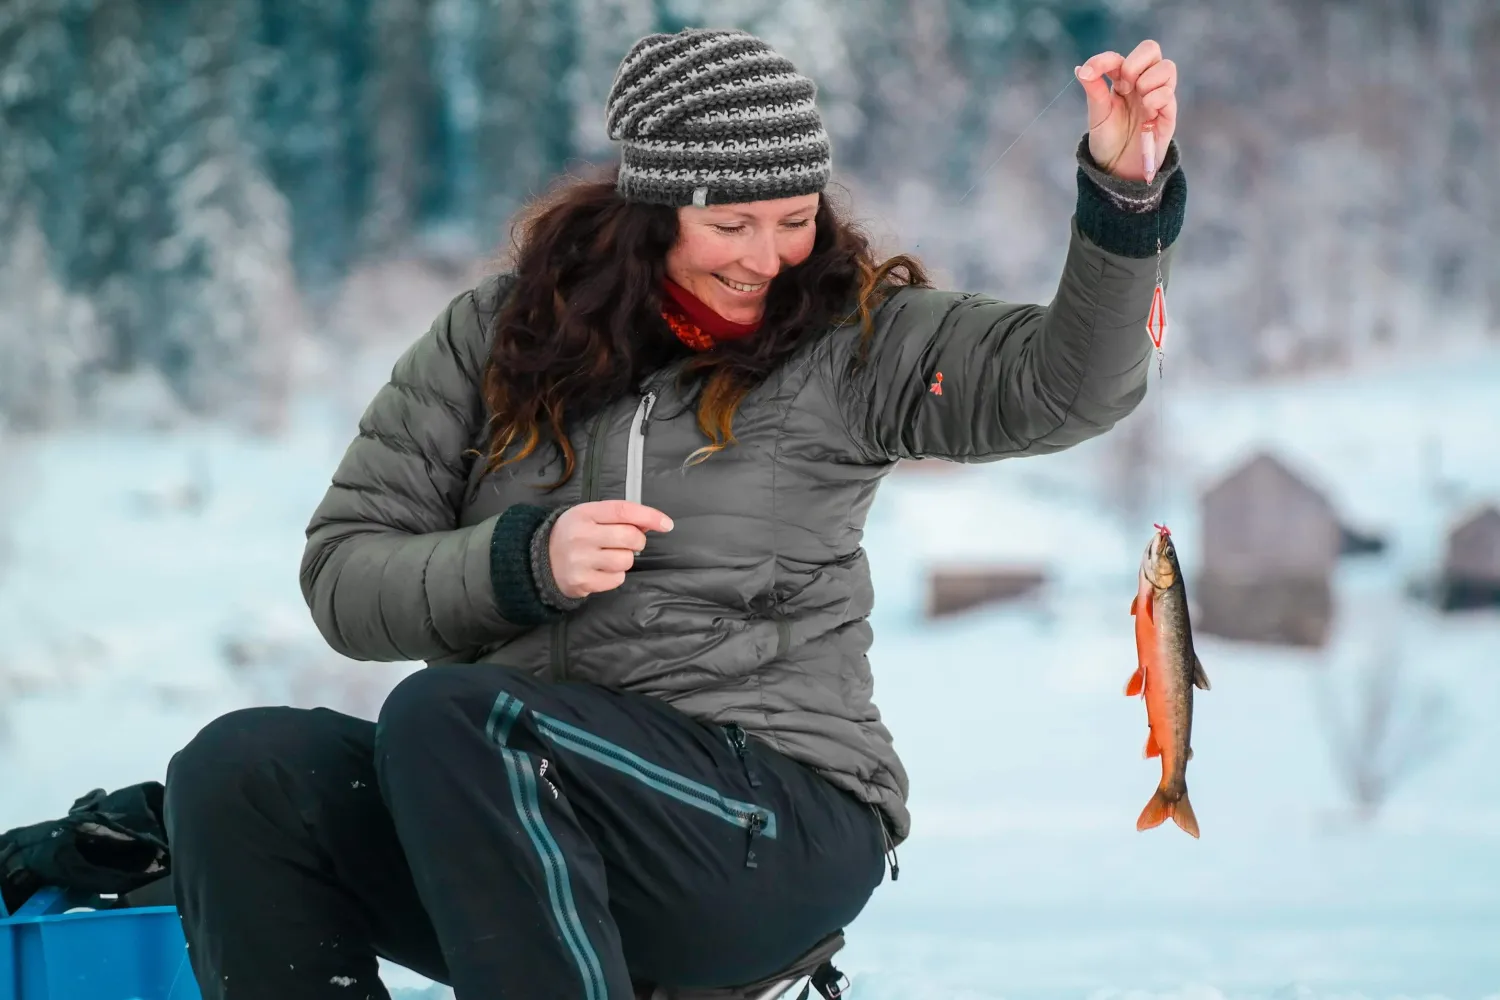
x,y
386,571
970,378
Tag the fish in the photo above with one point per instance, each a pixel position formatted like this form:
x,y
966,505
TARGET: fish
x,y
1167,671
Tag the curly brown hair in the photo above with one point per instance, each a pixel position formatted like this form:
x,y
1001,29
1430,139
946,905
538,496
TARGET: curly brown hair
x,y
582,324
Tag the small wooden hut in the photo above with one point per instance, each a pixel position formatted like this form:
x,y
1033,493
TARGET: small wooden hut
x,y
1271,541
954,590
1471,564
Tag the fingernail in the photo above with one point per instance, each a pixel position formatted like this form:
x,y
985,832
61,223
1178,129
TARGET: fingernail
x,y
666,524
1085,72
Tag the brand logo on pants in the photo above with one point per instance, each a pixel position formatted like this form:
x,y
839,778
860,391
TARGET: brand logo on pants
x,y
541,772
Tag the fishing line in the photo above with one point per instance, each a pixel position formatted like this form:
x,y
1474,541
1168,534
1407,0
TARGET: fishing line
x,y
1016,140
1156,328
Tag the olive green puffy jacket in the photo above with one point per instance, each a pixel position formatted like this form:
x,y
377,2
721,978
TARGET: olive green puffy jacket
x,y
754,609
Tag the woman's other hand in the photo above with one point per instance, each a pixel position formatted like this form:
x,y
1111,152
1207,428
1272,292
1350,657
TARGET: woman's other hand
x,y
593,545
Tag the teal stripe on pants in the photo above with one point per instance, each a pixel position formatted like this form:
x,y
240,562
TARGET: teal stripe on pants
x,y
669,783
523,789
502,716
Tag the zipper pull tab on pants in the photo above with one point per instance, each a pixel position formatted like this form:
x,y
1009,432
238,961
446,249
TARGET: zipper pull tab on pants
x,y
757,823
741,744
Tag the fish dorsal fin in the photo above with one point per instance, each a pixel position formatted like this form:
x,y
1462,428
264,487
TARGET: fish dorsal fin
x,y
1200,679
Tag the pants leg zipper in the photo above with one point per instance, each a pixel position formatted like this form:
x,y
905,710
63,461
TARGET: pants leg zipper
x,y
741,745
756,823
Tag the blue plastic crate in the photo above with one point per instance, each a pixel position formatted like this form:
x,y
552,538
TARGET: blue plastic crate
x,y
128,954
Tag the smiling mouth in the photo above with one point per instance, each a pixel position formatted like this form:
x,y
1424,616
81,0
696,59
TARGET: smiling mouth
x,y
740,286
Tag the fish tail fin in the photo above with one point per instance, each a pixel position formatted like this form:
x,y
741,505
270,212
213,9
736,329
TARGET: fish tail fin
x,y
1156,812
1183,815
1161,808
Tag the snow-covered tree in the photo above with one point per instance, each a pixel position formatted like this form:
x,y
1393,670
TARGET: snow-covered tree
x,y
224,267
402,100
49,338
308,64
524,64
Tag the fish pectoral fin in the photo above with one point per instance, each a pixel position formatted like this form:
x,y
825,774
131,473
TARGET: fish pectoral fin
x,y
1200,679
1153,749
1137,683
1134,603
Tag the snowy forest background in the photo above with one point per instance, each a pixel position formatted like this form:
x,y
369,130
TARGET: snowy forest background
x,y
188,189
221,221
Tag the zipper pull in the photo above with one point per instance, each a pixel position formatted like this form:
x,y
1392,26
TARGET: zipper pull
x,y
738,740
757,823
646,404
890,846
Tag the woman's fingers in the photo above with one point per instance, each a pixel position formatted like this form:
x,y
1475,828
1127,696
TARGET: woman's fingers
x,y
1161,75
1141,58
612,560
1099,65
618,536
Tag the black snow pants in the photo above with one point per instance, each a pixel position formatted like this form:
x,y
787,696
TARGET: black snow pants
x,y
508,836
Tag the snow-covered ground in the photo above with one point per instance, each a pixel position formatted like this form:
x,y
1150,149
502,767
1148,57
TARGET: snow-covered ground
x,y
1025,876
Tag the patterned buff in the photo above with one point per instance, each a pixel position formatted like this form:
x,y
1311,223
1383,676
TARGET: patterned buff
x,y
712,117
687,331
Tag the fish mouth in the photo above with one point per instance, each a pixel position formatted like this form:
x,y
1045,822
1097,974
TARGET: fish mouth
x,y
1158,563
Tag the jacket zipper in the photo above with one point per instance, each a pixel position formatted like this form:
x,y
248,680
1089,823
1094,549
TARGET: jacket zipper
x,y
590,493
635,455
758,822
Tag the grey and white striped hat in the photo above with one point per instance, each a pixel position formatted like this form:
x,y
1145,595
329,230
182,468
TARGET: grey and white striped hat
x,y
715,116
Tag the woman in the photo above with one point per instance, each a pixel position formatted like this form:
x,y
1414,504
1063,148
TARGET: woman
x,y
614,499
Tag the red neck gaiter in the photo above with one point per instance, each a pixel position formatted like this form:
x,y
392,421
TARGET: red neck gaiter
x,y
694,323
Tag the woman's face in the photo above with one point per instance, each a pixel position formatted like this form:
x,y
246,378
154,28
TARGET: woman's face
x,y
726,255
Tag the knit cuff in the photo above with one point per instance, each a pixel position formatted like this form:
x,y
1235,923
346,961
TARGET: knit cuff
x,y
541,566
1129,217
516,591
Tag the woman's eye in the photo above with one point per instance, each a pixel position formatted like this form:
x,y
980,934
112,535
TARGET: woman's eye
x,y
736,230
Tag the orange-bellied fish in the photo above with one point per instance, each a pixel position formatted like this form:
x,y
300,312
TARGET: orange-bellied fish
x,y
1168,671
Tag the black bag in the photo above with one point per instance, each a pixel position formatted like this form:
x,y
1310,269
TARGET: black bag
x,y
107,844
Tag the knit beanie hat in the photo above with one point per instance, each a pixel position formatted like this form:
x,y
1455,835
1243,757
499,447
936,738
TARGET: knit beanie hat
x,y
712,117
